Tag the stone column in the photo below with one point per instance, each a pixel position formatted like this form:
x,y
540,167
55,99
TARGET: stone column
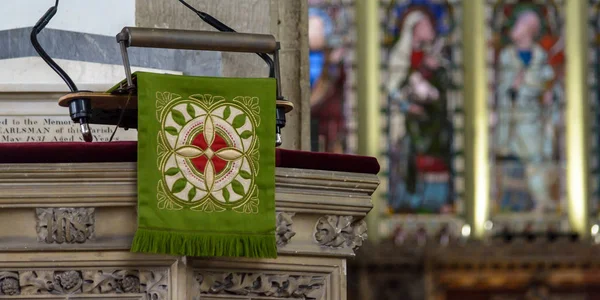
x,y
287,20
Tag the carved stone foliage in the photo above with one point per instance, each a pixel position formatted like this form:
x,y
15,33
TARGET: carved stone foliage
x,y
103,282
9,283
284,232
279,286
154,284
340,232
65,225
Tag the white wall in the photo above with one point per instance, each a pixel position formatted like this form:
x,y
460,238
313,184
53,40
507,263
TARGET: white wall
x,y
104,17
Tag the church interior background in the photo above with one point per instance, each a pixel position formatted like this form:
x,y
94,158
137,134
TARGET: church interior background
x,y
486,132
484,116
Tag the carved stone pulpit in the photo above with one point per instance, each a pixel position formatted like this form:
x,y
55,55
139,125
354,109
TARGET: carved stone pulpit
x,y
68,215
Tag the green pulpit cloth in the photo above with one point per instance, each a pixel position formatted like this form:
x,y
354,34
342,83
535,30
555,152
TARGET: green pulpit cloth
x,y
206,166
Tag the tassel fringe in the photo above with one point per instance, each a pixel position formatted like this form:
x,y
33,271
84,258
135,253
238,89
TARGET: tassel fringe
x,y
200,244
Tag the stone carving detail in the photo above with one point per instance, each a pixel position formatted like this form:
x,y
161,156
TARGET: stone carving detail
x,y
65,225
154,284
107,282
9,283
50,282
284,232
340,232
277,286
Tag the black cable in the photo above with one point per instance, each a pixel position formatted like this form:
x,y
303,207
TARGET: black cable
x,y
42,22
210,20
121,115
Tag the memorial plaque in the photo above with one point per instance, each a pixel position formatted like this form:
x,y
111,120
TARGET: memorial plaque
x,y
19,129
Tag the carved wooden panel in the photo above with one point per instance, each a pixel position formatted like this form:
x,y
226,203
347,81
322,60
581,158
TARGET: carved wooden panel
x,y
65,225
287,277
340,232
266,286
85,297
284,231
73,243
98,209
67,284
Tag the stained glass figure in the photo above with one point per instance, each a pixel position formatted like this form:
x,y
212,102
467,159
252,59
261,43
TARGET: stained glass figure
x,y
329,28
527,80
422,63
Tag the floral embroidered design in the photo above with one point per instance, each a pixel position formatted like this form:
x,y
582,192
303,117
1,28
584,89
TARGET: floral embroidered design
x,y
208,153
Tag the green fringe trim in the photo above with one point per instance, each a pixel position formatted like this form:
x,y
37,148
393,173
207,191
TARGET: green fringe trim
x,y
204,244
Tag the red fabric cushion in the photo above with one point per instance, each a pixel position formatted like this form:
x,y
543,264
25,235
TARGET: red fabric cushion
x,y
326,161
127,152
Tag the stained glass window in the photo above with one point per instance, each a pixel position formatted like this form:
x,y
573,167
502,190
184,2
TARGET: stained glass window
x,y
422,107
331,39
526,71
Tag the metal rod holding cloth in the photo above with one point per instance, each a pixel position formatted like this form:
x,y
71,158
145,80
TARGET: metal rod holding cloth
x,y
197,40
227,41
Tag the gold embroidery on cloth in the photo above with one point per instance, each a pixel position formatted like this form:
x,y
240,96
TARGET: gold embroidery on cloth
x,y
208,153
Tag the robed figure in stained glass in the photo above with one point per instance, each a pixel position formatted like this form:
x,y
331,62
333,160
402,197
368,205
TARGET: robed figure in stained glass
x,y
526,115
327,78
419,128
